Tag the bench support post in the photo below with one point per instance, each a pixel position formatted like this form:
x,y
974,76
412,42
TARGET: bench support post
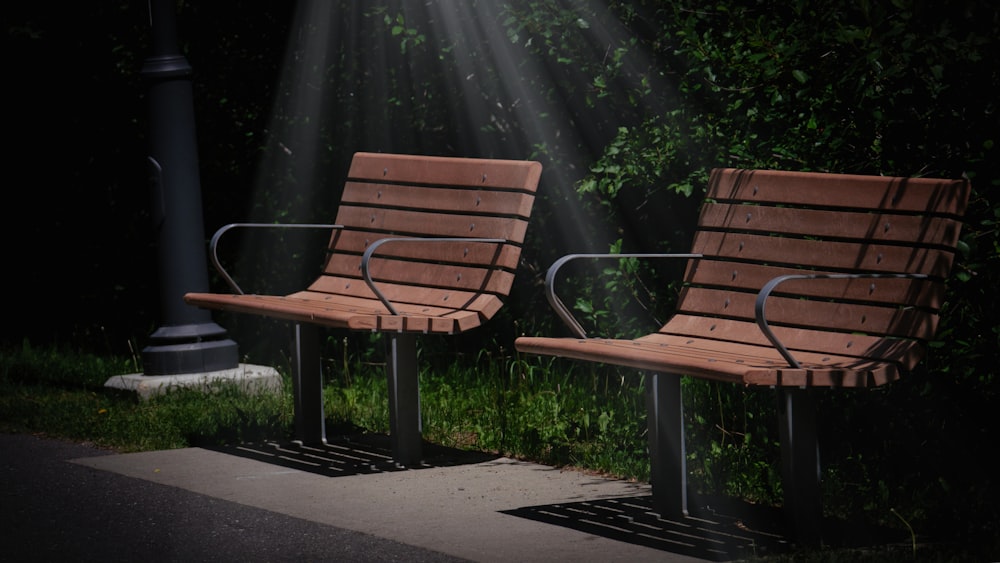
x,y
405,432
667,453
307,387
800,464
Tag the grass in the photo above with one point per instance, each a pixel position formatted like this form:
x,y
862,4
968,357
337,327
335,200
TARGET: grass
x,y
494,402
61,394
545,410
491,403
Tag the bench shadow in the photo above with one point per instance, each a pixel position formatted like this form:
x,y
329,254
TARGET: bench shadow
x,y
715,534
717,529
352,453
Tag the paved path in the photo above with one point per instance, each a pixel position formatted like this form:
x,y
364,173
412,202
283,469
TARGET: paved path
x,y
72,502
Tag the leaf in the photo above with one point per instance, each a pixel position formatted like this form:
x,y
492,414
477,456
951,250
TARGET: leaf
x,y
963,248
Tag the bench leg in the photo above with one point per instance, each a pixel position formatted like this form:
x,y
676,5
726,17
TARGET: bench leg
x,y
800,464
307,387
405,432
667,453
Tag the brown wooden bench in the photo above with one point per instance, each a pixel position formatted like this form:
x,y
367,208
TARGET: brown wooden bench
x,y
795,281
421,245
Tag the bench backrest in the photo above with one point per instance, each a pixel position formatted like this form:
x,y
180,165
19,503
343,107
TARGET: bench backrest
x,y
420,196
756,225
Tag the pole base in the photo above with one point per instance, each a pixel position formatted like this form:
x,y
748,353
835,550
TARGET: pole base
x,y
250,379
196,348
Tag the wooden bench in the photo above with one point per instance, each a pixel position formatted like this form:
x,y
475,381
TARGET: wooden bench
x,y
795,281
420,245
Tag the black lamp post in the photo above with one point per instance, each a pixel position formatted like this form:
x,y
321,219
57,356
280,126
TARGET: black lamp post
x,y
187,341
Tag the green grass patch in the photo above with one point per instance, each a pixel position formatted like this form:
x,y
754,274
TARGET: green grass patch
x,y
528,408
61,393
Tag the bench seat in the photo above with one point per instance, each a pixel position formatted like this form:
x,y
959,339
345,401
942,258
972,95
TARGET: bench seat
x,y
357,313
731,361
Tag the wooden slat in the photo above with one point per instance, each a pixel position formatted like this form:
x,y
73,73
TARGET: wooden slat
x,y
870,374
922,195
891,319
422,274
269,305
826,224
427,298
353,243
416,223
906,352
446,171
924,293
728,362
341,313
458,321
360,305
468,201
833,256
742,357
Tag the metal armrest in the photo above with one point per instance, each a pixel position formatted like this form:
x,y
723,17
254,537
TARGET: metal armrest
x,y
366,258
561,310
213,245
765,292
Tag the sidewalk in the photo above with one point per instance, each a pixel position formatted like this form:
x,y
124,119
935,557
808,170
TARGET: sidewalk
x,y
345,502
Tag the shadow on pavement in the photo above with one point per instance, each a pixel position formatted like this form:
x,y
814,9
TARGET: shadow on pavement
x,y
711,534
349,454
719,529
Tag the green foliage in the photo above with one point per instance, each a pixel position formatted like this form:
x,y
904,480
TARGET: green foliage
x,y
641,157
408,36
732,446
620,297
839,87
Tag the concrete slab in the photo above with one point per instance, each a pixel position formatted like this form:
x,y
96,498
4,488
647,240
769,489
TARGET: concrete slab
x,y
252,378
454,510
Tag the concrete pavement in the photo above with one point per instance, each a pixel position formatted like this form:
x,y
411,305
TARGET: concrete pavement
x,y
345,501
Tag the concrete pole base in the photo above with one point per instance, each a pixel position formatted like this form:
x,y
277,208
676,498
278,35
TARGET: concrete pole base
x,y
250,378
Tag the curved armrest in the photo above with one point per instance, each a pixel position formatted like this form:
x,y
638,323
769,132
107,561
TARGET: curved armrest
x,y
222,230
765,292
561,310
366,258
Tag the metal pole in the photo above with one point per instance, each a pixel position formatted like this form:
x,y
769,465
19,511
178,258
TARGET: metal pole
x,y
187,341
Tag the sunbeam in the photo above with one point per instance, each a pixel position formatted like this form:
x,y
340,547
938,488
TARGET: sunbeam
x,y
491,79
